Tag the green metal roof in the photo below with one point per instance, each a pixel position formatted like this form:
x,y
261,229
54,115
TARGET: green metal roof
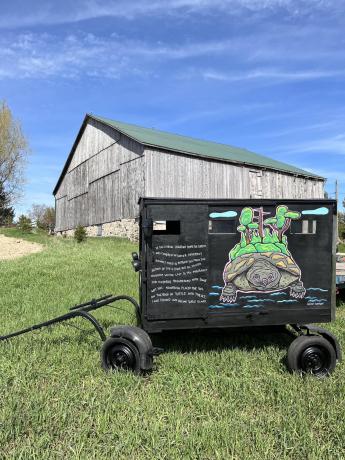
x,y
189,145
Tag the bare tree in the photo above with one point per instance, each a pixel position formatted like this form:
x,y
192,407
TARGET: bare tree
x,y
13,153
42,216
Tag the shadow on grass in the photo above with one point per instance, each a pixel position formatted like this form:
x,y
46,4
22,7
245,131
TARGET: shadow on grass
x,y
191,341
341,298
181,341
212,340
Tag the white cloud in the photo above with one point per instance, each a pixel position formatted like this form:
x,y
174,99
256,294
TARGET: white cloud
x,y
282,52
34,55
335,145
272,74
52,12
302,129
331,145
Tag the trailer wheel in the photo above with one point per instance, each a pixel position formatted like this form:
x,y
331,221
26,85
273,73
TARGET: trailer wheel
x,y
311,354
118,353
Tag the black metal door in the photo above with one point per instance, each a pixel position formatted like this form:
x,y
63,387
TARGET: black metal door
x,y
176,262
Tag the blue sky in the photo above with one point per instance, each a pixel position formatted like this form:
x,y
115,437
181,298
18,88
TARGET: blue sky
x,y
267,75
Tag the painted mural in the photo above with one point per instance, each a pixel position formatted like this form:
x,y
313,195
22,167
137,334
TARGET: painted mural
x,y
261,271
261,261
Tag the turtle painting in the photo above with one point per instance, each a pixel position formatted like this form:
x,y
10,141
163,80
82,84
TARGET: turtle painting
x,y
261,261
261,272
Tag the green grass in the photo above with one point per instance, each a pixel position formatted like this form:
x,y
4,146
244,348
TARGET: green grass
x,y
341,248
35,236
210,397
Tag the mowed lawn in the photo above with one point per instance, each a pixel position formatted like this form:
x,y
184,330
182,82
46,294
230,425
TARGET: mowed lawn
x,y
211,396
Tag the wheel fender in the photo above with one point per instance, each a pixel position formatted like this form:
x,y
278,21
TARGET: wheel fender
x,y
327,335
141,340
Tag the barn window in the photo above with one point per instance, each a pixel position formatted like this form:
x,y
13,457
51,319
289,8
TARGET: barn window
x,y
166,227
304,227
222,226
99,230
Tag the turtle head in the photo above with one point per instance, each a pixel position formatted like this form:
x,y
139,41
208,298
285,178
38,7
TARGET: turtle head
x,y
263,276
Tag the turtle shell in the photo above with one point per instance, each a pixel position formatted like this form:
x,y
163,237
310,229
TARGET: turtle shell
x,y
243,263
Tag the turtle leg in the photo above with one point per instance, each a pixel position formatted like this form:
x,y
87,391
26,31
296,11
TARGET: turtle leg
x,y
229,293
297,290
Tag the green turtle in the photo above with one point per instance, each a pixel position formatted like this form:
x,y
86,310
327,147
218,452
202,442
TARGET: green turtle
x,y
261,272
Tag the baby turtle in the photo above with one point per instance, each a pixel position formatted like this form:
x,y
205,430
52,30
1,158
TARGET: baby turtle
x,y
261,272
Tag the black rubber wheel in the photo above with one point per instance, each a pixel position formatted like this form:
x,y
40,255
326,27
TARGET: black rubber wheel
x,y
118,353
311,354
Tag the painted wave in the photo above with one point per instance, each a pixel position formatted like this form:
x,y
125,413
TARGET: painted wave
x,y
225,305
261,300
287,301
314,298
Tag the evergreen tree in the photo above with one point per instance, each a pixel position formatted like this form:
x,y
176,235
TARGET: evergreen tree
x,y
6,211
25,224
80,234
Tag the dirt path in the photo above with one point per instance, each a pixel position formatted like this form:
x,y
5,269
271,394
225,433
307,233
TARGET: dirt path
x,y
10,248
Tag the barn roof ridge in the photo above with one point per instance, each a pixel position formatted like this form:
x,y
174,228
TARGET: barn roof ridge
x,y
200,147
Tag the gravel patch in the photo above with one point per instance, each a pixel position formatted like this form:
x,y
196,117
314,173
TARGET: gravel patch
x,y
11,248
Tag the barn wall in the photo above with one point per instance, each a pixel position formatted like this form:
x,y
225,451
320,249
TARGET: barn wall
x,y
103,181
178,176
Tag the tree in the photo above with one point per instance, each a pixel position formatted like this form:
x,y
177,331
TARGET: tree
x,y
282,220
13,153
49,218
80,234
341,225
43,216
247,224
25,224
6,211
36,213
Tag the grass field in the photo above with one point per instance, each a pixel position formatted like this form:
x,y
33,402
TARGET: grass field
x,y
210,396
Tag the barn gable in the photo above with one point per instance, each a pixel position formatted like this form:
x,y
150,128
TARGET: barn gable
x,y
101,159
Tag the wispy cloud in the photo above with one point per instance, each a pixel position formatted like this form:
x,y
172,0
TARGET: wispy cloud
x,y
323,126
278,75
42,55
51,12
332,145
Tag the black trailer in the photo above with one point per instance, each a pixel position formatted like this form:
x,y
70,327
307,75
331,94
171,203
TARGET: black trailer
x,y
242,263
199,259
222,264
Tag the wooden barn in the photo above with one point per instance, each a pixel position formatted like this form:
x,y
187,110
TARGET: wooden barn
x,y
112,164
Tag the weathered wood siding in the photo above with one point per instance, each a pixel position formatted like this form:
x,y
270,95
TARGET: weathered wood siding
x,y
180,176
103,181
109,172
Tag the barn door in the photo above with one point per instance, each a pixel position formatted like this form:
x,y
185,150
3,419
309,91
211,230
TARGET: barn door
x,y
176,262
255,182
